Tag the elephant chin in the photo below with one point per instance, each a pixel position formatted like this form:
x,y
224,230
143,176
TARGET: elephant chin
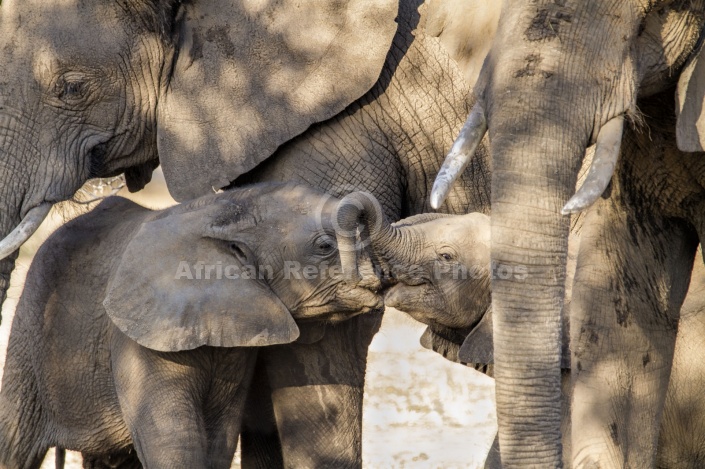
x,y
426,304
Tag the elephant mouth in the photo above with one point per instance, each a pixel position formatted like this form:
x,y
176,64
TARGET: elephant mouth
x,y
420,301
308,315
452,334
341,309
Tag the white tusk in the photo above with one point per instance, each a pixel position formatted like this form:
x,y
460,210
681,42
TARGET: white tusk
x,y
24,230
600,174
459,155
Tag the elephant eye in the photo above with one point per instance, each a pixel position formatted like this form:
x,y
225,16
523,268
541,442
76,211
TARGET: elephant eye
x,y
69,89
325,244
448,257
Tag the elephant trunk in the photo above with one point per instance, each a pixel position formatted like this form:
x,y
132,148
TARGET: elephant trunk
x,y
9,247
15,230
389,244
528,235
6,267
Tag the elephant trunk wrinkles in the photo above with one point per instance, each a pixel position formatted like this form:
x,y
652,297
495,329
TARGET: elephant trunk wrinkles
x,y
529,231
388,242
10,203
12,181
6,267
542,109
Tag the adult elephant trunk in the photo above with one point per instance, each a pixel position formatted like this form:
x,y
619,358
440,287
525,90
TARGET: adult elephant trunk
x,y
542,106
535,156
22,209
389,245
6,266
529,231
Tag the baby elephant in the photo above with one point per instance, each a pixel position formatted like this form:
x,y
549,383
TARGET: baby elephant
x,y
440,267
137,328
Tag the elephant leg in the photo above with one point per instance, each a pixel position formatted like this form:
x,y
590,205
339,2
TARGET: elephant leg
x,y
183,409
632,275
682,435
19,448
493,460
166,426
260,445
317,394
23,439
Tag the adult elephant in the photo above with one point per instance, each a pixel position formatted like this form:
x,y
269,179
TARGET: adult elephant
x,y
210,89
560,76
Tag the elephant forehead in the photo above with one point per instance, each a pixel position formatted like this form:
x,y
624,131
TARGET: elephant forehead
x,y
460,229
65,25
299,201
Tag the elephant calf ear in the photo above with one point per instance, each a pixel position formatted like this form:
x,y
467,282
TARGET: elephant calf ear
x,y
252,75
690,100
162,297
478,346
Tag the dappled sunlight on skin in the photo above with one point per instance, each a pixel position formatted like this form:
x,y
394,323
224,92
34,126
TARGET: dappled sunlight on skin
x,y
292,66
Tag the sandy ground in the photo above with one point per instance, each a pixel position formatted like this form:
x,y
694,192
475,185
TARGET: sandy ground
x,y
420,410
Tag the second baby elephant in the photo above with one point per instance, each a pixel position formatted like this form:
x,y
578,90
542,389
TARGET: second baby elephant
x,y
443,281
138,328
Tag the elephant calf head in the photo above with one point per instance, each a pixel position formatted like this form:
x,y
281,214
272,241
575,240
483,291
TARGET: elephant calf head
x,y
444,282
439,269
234,269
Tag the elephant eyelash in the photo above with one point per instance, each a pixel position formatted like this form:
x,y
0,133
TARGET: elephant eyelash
x,y
70,89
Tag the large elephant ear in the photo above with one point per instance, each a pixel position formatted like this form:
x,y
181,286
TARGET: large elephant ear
x,y
251,74
177,290
466,29
690,104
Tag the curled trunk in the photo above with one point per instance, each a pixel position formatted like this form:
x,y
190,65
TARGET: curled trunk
x,y
389,245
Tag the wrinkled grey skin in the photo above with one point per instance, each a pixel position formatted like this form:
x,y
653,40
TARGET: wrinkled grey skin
x,y
557,72
441,270
96,364
167,93
464,333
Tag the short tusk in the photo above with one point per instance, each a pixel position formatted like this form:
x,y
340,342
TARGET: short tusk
x,y
602,168
24,230
459,155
